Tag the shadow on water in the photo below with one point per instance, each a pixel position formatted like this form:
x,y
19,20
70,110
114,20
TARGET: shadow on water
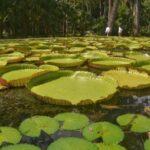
x,y
18,104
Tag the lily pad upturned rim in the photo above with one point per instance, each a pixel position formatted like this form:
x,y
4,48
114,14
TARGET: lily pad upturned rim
x,y
72,121
128,72
50,76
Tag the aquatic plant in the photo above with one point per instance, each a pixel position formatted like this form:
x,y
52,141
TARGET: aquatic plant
x,y
138,123
110,133
80,87
72,121
33,126
147,144
72,143
129,79
9,135
20,147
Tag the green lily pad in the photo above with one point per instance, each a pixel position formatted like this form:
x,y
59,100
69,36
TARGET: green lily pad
x,y
147,144
131,79
3,63
63,61
145,68
110,133
49,67
72,121
13,57
112,62
72,143
139,123
20,147
20,74
80,87
9,135
103,146
33,126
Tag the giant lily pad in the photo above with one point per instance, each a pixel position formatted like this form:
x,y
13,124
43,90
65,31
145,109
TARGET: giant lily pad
x,y
145,68
63,61
20,147
80,87
111,62
72,121
103,146
147,144
13,57
138,123
110,133
72,143
49,67
19,75
33,126
131,79
9,135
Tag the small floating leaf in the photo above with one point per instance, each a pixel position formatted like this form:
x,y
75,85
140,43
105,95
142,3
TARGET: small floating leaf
x,y
9,135
20,147
139,123
147,144
103,146
72,121
109,132
34,125
72,143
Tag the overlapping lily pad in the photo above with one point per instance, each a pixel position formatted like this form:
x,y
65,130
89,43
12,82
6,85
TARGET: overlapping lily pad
x,y
112,62
110,133
72,143
20,147
9,135
138,123
72,121
80,87
131,79
19,74
33,126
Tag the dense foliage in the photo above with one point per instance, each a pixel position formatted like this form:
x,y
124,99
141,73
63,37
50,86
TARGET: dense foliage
x,y
70,17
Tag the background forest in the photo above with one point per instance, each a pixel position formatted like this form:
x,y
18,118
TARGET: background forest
x,y
40,18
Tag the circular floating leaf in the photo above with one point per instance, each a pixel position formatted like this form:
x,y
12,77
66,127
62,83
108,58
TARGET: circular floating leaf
x,y
20,147
64,61
138,123
111,62
19,75
33,126
72,121
72,143
131,79
80,87
9,135
49,67
3,63
103,146
110,133
147,144
145,68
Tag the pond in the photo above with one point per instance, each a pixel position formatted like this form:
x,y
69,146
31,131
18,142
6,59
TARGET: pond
x,y
17,103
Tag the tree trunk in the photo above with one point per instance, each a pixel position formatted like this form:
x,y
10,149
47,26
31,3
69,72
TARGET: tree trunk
x,y
136,15
113,14
110,4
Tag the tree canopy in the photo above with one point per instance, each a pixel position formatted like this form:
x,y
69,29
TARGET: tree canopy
x,y
38,18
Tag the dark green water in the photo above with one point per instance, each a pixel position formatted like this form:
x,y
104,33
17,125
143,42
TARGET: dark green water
x,y
18,104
